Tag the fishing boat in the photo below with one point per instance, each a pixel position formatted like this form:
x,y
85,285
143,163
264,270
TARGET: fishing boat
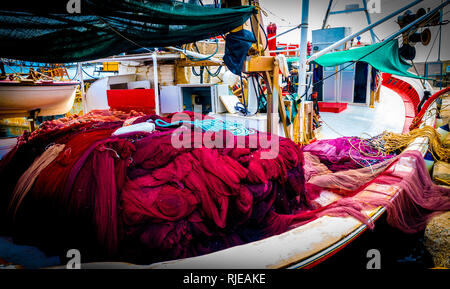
x,y
45,98
313,243
370,103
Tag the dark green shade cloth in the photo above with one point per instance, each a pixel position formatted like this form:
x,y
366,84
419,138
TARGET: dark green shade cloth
x,y
382,56
108,28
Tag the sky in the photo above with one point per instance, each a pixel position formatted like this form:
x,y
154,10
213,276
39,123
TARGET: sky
x,y
287,14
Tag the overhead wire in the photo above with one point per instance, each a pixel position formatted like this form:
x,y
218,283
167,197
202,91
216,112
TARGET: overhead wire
x,y
282,19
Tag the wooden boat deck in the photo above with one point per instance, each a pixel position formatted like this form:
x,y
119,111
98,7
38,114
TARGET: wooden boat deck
x,y
362,121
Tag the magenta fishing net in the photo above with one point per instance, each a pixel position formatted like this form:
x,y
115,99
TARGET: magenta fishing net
x,y
137,197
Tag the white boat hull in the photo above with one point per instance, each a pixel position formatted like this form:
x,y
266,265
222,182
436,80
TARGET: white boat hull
x,y
19,100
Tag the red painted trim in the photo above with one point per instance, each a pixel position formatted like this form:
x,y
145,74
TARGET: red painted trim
x,y
411,101
427,104
408,94
329,255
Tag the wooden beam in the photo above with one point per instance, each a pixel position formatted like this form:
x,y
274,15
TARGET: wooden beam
x,y
189,63
270,100
268,81
180,75
282,110
252,25
256,20
259,64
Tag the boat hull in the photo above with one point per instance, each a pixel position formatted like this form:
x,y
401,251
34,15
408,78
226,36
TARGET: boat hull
x,y
18,100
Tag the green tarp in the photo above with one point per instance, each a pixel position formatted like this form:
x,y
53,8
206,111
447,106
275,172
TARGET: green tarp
x,y
107,27
382,56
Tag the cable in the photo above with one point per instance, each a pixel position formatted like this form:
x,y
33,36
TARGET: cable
x,y
256,91
282,19
431,48
194,72
202,70
265,35
254,34
215,74
76,73
118,33
201,59
241,106
262,28
88,73
261,93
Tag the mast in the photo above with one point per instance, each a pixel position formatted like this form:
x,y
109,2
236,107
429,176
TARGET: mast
x,y
83,92
302,62
303,46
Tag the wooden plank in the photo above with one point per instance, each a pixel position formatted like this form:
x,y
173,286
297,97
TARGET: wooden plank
x,y
259,64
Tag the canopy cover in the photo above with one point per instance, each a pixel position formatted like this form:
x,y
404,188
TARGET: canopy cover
x,y
383,56
106,27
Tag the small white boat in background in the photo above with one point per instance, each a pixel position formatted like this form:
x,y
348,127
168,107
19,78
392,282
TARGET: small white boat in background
x,y
41,98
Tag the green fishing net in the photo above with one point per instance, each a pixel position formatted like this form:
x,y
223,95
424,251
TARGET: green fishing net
x,y
106,27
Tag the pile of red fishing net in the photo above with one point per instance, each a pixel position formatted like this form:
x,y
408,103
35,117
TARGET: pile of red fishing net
x,y
137,197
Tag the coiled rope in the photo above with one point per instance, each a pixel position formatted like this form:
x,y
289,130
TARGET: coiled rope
x,y
395,142
214,125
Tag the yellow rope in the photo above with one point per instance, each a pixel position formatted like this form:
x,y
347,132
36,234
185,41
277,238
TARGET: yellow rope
x,y
446,182
395,141
305,139
300,136
296,129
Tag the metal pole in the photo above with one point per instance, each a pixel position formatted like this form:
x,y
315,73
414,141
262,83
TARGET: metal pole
x,y
325,19
83,92
372,34
302,63
155,82
342,41
287,31
303,47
